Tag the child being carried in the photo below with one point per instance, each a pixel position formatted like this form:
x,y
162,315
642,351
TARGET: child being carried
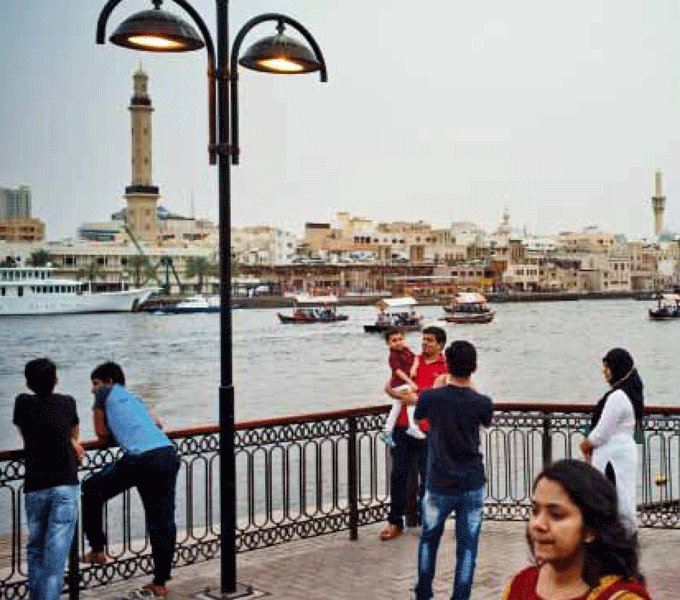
x,y
404,365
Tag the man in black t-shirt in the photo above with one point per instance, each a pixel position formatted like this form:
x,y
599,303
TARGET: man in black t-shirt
x,y
48,424
455,469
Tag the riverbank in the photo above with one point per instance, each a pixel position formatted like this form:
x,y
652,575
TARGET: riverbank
x,y
370,299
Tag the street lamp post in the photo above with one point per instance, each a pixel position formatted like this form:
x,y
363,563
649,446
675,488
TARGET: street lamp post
x,y
159,31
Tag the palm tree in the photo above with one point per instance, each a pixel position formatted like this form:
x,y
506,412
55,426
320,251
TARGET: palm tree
x,y
93,271
140,269
40,258
199,267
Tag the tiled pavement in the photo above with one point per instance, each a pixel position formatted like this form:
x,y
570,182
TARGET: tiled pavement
x,y
335,568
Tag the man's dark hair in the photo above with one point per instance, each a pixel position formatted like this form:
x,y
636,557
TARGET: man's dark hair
x,y
438,333
461,358
613,551
109,371
41,376
393,331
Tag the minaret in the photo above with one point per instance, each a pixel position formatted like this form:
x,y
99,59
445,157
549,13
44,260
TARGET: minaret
x,y
141,194
658,204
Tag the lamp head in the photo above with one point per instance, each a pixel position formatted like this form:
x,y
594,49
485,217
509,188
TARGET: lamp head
x,y
156,31
280,54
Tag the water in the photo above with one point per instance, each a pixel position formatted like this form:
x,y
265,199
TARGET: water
x,y
538,352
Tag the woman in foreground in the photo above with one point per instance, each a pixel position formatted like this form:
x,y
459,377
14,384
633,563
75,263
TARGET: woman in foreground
x,y
581,548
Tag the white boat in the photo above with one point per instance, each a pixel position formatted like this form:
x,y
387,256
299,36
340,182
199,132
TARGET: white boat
x,y
194,304
396,312
36,291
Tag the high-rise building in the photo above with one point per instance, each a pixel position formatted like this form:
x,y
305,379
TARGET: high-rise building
x,y
15,204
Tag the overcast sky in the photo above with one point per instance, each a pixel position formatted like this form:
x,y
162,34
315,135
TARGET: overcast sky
x,y
442,111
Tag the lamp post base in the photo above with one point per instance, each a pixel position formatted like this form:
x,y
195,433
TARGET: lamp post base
x,y
247,592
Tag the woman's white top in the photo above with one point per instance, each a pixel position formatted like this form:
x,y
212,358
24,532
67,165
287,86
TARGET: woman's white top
x,y
613,443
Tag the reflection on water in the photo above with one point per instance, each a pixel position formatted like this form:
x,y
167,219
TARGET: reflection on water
x,y
545,352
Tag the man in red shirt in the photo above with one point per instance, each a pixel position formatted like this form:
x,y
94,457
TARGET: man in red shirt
x,y
409,451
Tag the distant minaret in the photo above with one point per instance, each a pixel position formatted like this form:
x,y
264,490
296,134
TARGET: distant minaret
x,y
141,194
658,204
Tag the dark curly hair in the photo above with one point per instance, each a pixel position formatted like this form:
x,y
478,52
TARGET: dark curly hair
x,y
614,550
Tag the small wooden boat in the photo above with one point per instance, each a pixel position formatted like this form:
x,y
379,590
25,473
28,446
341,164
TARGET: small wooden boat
x,y
396,312
469,308
667,308
313,309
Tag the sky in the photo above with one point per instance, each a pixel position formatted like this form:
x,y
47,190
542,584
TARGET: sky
x,y
437,111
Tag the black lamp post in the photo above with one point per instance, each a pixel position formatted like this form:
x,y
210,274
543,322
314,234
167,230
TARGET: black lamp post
x,y
159,31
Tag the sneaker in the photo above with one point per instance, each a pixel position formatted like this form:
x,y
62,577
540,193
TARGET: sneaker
x,y
386,438
95,557
416,432
156,591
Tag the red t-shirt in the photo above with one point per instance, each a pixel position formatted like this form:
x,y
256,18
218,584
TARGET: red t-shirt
x,y
424,379
400,359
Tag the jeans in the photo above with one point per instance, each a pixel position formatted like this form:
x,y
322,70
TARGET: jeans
x,y
469,507
154,474
407,453
52,514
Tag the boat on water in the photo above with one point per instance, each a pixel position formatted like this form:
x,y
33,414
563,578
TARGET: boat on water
x,y
193,304
668,307
36,291
313,309
396,312
469,307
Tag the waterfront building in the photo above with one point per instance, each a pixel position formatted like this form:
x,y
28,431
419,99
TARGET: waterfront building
x,y
262,244
590,240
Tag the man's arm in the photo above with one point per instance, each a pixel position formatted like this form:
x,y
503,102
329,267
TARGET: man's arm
x,y
78,449
101,430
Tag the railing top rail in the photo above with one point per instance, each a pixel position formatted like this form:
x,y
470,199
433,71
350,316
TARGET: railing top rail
x,y
528,407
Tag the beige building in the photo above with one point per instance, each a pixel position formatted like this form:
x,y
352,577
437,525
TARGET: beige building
x,y
589,241
22,230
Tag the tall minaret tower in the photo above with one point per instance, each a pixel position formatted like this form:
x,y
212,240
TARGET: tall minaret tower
x,y
141,194
658,204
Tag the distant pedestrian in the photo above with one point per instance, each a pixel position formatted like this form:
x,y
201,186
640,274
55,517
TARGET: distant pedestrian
x,y
404,366
610,444
581,548
149,463
409,453
455,469
49,426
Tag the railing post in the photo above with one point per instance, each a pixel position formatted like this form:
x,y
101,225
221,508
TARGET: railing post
x,y
73,576
546,441
352,488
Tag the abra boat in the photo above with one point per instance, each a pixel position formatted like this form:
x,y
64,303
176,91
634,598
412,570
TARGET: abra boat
x,y
396,312
667,308
36,291
194,304
313,309
469,308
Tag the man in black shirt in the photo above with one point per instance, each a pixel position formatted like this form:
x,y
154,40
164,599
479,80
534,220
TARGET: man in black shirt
x,y
48,423
455,470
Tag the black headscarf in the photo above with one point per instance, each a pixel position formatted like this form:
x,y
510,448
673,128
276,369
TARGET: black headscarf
x,y
625,378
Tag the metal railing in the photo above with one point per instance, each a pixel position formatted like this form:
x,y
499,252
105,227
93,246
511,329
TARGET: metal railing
x,y
310,475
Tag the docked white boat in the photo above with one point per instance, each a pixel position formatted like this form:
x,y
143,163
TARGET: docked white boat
x,y
35,291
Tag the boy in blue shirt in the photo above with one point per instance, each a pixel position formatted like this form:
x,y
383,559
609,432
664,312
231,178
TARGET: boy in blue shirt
x,y
149,463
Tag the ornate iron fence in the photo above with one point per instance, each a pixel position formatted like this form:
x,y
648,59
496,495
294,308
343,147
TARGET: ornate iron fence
x,y
310,475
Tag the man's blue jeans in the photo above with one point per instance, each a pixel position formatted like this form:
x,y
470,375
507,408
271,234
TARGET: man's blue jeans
x,y
52,514
469,507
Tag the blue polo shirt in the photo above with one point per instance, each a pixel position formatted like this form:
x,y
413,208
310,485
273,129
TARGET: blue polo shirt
x,y
129,421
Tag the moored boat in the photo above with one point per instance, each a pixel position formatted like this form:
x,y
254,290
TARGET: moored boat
x,y
396,312
194,304
469,307
36,291
313,309
668,308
